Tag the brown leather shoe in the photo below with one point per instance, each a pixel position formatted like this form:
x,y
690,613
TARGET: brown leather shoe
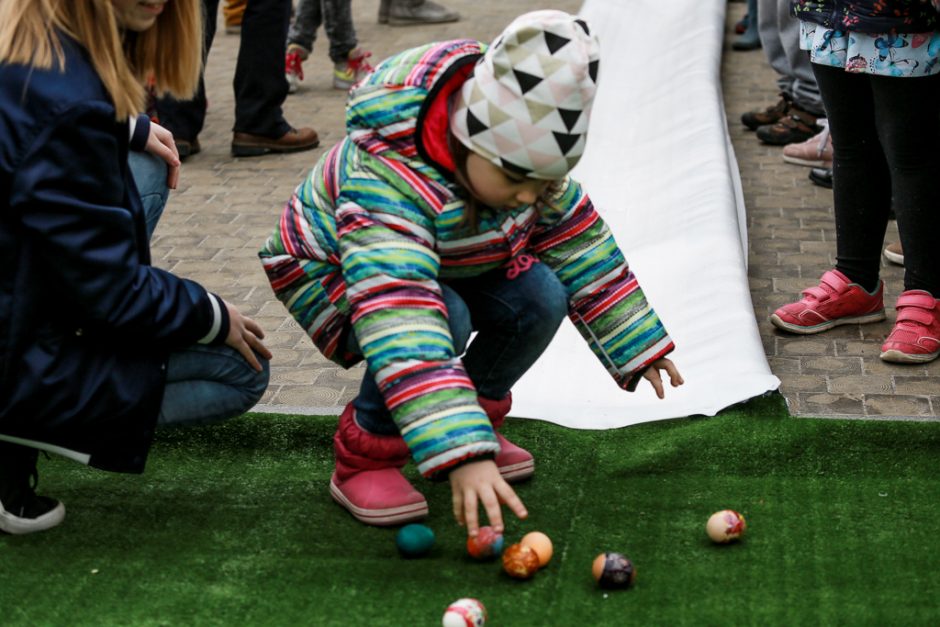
x,y
294,140
770,115
797,126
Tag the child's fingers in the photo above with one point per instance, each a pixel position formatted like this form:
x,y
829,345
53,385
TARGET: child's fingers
x,y
471,515
457,503
508,496
675,378
656,381
494,513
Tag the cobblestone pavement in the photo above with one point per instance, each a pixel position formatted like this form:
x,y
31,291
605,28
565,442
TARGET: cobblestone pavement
x,y
225,208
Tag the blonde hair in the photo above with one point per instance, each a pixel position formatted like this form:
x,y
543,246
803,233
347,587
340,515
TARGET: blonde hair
x,y
169,53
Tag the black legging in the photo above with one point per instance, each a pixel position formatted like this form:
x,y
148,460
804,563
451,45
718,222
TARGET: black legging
x,y
886,143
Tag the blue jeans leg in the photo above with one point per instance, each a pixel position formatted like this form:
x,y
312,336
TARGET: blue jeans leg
x,y
150,177
515,319
207,384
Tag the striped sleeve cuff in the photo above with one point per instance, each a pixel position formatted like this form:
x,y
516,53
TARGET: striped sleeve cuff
x,y
218,331
140,132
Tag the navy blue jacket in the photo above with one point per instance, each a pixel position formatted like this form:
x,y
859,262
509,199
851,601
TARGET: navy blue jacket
x,y
869,16
86,323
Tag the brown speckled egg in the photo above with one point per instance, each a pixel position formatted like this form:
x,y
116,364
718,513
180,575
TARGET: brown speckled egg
x,y
520,561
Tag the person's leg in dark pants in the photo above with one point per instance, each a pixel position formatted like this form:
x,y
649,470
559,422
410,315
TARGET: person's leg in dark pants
x,y
908,124
260,92
261,87
861,180
185,118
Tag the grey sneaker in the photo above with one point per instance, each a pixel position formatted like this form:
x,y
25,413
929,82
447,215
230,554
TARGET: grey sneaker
x,y
21,509
409,12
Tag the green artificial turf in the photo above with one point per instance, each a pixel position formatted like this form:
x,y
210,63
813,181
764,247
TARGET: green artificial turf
x,y
234,525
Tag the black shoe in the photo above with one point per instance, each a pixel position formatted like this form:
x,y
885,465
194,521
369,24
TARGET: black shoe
x,y
187,148
21,509
821,177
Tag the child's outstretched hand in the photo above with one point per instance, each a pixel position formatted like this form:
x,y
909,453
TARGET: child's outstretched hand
x,y
480,482
652,375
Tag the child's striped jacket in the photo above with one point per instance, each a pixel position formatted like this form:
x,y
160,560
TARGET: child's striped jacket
x,y
369,233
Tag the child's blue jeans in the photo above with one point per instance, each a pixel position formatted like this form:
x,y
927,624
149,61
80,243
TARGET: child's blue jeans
x,y
515,319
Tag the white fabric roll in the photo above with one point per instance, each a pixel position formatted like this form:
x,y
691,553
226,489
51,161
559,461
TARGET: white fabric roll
x,y
660,169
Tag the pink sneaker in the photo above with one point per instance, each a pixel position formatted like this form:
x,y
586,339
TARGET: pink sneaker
x,y
915,338
514,462
815,152
368,480
835,301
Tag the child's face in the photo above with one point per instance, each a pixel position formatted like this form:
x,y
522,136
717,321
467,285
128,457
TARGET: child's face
x,y
137,15
498,188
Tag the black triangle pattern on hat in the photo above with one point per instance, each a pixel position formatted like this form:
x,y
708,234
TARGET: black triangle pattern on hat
x,y
583,25
474,125
569,117
565,141
527,81
592,69
555,42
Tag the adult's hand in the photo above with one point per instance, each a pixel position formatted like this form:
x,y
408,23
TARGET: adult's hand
x,y
160,144
245,335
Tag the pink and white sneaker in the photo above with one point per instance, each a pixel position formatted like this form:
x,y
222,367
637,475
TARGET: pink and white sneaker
x,y
915,338
835,301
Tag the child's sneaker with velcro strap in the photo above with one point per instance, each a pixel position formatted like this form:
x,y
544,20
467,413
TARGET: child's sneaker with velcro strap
x,y
915,338
835,301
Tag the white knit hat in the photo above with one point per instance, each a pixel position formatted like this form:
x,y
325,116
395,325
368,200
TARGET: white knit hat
x,y
527,104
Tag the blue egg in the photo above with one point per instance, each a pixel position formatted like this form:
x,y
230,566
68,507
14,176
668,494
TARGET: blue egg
x,y
414,540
